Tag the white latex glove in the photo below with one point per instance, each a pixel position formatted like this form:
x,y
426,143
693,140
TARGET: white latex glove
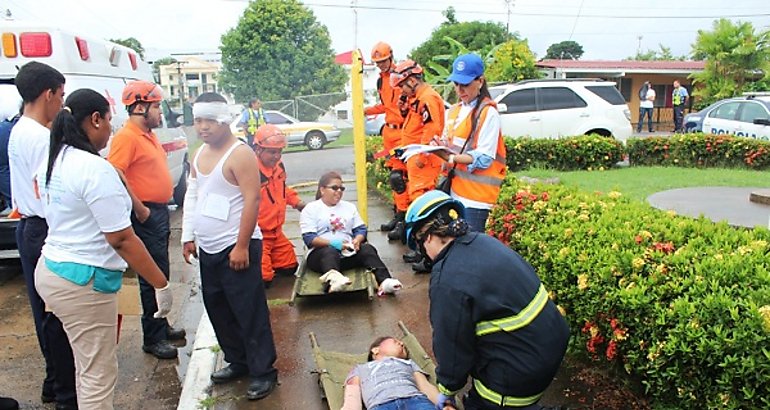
x,y
390,286
164,299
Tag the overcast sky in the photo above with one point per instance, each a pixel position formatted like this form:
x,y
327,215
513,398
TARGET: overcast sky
x,y
607,29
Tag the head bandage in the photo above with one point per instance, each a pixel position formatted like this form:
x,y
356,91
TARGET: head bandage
x,y
216,111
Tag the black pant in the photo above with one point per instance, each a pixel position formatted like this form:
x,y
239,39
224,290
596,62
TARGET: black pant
x,y
237,307
154,233
324,259
59,362
475,402
678,117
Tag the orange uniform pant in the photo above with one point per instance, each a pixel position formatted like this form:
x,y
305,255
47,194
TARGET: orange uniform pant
x,y
391,138
423,173
277,253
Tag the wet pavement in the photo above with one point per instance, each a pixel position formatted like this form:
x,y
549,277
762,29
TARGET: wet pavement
x,y
729,204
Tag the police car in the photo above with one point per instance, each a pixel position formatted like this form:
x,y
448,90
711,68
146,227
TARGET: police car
x,y
746,116
86,62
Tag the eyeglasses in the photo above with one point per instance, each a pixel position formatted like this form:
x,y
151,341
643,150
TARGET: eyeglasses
x,y
336,188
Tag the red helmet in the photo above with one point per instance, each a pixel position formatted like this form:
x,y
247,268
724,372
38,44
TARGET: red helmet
x,y
381,52
269,136
404,70
141,91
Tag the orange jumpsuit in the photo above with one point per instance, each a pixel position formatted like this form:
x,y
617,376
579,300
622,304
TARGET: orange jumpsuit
x,y
277,250
424,121
391,131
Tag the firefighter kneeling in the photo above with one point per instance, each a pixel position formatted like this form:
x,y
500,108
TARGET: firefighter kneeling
x,y
491,316
277,251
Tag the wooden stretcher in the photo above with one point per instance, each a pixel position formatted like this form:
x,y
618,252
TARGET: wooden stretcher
x,y
308,283
333,367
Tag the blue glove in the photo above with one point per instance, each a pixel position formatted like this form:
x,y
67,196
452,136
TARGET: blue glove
x,y
442,401
336,244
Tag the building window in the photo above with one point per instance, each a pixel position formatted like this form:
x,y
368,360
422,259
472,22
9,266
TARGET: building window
x,y
172,91
625,88
192,76
342,114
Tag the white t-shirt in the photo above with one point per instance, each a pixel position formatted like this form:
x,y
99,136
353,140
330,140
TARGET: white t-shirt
x,y
648,102
27,149
330,222
84,200
489,130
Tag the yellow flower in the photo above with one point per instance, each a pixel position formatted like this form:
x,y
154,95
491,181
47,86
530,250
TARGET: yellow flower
x,y
561,310
614,194
582,281
645,234
619,334
759,245
719,257
583,217
744,249
568,233
551,295
637,263
671,213
764,311
564,251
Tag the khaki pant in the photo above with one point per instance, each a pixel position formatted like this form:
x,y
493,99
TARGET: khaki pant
x,y
90,320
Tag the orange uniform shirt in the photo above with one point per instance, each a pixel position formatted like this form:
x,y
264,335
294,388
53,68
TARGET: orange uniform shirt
x,y
388,101
425,119
275,196
142,160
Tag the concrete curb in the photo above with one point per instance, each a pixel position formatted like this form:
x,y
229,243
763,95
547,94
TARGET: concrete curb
x,y
202,362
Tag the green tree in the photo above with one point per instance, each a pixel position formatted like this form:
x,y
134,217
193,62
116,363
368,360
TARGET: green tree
x,y
512,61
278,50
565,50
736,57
662,54
449,15
131,43
474,35
159,62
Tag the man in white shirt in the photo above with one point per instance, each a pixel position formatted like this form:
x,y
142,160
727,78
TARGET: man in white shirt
x,y
646,104
42,90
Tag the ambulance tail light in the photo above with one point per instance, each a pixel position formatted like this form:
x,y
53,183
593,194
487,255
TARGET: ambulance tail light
x,y
9,45
83,48
35,44
132,58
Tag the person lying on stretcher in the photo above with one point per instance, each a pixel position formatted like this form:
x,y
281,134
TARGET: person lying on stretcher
x,y
389,380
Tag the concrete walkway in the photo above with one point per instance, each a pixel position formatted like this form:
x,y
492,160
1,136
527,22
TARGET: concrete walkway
x,y
716,203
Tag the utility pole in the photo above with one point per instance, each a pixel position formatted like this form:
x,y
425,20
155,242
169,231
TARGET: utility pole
x,y
181,83
353,5
639,46
508,4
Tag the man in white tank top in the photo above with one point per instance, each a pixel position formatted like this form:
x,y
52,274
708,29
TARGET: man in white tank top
x,y
220,227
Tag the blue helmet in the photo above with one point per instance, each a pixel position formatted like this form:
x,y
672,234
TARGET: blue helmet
x,y
423,207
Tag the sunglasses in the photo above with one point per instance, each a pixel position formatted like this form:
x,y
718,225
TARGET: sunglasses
x,y
336,188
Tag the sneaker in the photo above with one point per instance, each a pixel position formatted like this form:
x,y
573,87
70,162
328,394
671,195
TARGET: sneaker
x,y
161,350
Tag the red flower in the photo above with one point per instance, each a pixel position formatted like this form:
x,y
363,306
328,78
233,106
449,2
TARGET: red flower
x,y
612,350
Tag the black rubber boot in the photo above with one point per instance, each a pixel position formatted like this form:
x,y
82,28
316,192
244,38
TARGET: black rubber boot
x,y
391,225
412,257
423,266
397,232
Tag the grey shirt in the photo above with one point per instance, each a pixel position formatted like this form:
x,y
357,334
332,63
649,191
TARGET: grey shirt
x,y
386,380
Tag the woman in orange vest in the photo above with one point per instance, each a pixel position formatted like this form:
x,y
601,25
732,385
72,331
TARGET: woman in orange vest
x,y
473,131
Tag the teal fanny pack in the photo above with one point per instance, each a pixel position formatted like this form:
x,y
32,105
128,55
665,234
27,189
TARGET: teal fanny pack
x,y
105,280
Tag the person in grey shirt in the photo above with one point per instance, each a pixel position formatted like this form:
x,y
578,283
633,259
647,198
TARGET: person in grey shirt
x,y
389,380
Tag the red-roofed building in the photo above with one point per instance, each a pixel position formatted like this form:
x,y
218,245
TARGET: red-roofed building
x,y
629,76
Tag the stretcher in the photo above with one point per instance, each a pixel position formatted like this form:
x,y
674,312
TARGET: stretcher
x,y
333,367
308,282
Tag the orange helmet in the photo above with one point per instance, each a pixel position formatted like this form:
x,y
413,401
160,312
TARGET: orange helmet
x,y
141,91
404,70
269,136
381,52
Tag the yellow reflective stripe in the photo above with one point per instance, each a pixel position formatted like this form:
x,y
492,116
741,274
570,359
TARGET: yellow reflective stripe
x,y
500,400
515,322
446,392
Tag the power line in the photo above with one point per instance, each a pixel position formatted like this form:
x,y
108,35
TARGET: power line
x,y
576,19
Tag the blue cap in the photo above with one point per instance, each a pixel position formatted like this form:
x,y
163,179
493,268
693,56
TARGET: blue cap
x,y
466,68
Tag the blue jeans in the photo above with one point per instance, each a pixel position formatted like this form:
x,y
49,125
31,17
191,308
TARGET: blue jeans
x,y
477,219
642,112
410,403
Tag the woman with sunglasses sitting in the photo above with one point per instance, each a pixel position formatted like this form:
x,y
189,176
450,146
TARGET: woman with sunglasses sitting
x,y
336,235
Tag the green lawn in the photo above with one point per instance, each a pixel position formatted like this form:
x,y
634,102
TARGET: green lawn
x,y
640,182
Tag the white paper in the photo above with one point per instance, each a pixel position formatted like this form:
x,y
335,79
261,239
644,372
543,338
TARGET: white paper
x,y
216,206
414,149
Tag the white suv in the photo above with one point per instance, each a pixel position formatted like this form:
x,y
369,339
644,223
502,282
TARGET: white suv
x,y
562,108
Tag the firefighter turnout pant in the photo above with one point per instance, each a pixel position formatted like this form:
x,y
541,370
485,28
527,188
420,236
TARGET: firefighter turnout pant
x,y
277,254
423,171
391,138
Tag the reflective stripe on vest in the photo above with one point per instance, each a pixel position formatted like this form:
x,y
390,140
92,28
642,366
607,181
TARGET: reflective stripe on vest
x,y
505,401
518,321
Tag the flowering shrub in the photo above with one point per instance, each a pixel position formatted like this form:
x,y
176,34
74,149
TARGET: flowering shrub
x,y
700,150
566,154
376,173
681,304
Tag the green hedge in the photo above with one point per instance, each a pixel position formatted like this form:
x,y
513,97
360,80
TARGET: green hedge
x,y
680,304
585,152
700,150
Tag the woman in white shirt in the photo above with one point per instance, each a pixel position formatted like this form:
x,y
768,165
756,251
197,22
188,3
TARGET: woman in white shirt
x,y
89,241
336,235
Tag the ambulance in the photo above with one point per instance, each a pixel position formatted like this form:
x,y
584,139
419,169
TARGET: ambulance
x,y
86,62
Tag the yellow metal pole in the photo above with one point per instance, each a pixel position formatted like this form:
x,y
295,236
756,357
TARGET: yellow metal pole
x,y
359,142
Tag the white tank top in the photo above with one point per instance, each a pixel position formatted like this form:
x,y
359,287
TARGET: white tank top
x,y
219,207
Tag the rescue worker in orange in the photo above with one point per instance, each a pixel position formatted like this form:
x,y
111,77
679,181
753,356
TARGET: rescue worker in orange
x,y
424,122
140,160
277,251
382,55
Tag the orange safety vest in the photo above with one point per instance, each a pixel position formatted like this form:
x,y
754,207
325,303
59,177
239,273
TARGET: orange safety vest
x,y
275,196
481,185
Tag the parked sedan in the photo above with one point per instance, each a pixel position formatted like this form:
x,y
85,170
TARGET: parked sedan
x,y
374,124
747,116
312,134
